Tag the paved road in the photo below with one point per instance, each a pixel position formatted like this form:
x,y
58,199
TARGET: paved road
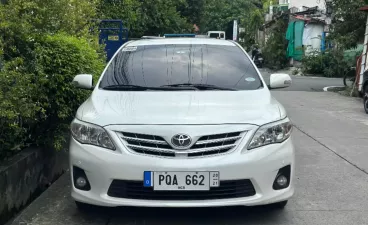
x,y
331,177
303,83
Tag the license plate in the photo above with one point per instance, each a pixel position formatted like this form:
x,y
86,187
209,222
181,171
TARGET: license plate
x,y
181,181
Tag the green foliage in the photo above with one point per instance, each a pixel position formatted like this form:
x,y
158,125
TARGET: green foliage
x,y
39,16
154,17
17,109
274,50
59,59
192,10
127,10
329,64
217,13
37,106
43,45
348,25
249,13
254,22
161,16
148,17
23,21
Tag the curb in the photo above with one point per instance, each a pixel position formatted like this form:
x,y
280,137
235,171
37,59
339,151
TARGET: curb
x,y
326,88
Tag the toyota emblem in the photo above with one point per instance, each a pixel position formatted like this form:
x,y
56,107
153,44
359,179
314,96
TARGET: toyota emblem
x,y
181,141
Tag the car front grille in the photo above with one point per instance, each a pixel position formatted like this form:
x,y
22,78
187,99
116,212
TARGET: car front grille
x,y
136,190
158,146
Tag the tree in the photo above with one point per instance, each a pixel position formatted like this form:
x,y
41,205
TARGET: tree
x,y
219,13
146,17
22,21
43,45
161,16
348,26
192,10
126,10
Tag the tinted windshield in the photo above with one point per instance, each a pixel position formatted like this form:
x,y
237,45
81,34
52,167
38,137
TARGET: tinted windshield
x,y
160,65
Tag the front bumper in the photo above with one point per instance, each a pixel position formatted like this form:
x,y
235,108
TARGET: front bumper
x,y
259,165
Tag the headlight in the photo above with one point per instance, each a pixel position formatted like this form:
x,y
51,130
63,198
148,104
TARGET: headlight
x,y
276,132
91,134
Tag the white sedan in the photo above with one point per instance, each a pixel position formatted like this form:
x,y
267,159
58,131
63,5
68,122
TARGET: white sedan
x,y
181,122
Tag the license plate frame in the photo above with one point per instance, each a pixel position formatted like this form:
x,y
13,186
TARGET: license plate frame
x,y
178,180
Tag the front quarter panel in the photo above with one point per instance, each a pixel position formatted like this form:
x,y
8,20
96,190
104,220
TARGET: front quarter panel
x,y
282,109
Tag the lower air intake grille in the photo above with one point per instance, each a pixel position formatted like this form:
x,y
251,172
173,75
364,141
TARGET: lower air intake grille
x,y
135,190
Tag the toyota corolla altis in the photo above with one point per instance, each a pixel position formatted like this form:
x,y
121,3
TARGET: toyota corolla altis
x,y
184,122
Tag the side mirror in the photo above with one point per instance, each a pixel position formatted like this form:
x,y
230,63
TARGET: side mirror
x,y
84,81
279,80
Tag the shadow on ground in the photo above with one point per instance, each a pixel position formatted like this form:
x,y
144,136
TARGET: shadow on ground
x,y
177,216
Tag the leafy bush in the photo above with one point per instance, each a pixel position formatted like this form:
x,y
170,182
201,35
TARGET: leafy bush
x,y
274,51
17,108
330,63
37,99
43,45
59,58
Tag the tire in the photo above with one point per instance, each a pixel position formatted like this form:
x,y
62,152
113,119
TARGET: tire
x,y
365,99
83,207
349,81
366,103
279,205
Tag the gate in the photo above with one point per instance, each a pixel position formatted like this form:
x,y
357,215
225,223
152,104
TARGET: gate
x,y
113,35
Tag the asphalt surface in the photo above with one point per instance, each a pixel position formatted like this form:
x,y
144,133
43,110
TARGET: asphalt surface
x,y
305,83
331,142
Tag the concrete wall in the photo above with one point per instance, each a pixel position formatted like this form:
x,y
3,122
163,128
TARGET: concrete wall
x,y
308,3
314,39
25,176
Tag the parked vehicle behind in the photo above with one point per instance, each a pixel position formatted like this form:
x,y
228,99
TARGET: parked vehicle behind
x,y
257,57
216,34
181,122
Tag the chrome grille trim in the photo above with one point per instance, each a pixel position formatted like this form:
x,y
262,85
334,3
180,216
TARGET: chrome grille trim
x,y
143,148
210,149
206,145
217,140
145,140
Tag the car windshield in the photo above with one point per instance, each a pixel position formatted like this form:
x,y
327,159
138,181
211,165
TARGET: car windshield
x,y
205,67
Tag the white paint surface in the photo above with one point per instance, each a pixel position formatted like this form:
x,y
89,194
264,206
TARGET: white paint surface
x,y
308,3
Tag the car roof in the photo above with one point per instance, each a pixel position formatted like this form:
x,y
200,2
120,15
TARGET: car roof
x,y
184,41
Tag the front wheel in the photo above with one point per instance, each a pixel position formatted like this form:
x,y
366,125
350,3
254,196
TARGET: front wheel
x,y
349,78
365,98
349,81
279,205
366,103
83,206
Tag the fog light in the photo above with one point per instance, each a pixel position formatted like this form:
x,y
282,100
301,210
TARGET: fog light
x,y
80,179
81,182
282,181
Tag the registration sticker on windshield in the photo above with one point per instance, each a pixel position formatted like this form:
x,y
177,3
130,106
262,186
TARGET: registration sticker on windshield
x,y
250,79
130,49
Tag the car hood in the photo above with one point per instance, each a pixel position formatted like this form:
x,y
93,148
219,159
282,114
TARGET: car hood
x,y
180,107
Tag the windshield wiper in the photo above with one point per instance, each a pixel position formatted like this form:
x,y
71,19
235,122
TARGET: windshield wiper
x,y
201,86
129,87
